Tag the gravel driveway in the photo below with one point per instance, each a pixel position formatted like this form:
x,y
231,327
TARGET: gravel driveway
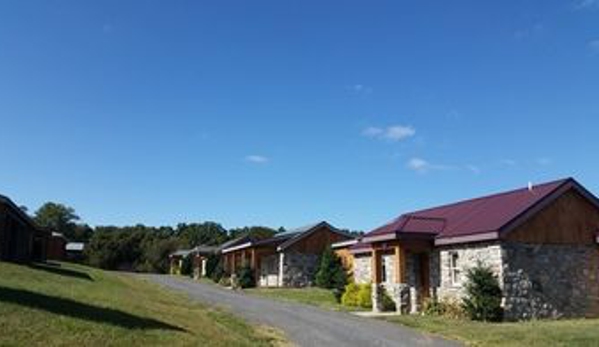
x,y
304,325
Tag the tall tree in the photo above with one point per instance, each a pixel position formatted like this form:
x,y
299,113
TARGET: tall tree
x,y
60,218
207,233
257,232
330,273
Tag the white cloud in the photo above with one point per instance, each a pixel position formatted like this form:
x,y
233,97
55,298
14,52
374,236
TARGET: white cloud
x,y
544,161
422,166
529,32
586,4
399,132
474,169
392,133
107,28
360,89
418,164
508,162
593,45
256,159
372,131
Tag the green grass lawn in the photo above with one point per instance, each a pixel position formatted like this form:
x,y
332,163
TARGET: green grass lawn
x,y
583,332
310,296
70,305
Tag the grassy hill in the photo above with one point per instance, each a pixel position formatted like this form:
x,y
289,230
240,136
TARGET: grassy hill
x,y
65,304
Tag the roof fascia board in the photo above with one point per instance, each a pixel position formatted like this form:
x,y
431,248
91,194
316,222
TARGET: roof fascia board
x,y
344,243
307,233
380,238
488,236
360,251
237,248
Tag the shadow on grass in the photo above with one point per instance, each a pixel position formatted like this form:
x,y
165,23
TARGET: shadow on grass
x,y
55,268
71,308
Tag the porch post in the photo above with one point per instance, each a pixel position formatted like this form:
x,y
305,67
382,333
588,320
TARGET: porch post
x,y
376,266
253,259
376,280
400,265
281,269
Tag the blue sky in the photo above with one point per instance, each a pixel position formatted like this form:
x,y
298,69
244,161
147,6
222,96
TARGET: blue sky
x,y
282,113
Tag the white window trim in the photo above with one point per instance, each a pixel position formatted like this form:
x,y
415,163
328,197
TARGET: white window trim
x,y
455,271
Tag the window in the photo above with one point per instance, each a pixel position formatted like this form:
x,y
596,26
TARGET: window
x,y
454,270
383,270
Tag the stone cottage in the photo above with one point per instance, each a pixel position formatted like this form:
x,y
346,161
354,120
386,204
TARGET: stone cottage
x,y
288,259
541,242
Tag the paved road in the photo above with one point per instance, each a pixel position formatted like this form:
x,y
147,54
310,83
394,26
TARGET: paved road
x,y
304,325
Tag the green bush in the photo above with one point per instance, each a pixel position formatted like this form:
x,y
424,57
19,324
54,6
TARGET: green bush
x,y
187,266
246,278
445,308
387,304
365,296
350,296
483,295
218,272
357,295
225,281
432,307
331,274
212,263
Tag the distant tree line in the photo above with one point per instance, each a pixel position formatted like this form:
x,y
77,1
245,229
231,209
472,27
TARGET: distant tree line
x,y
137,248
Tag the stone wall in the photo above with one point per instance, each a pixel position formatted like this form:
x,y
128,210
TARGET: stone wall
x,y
299,269
362,269
388,262
489,254
550,281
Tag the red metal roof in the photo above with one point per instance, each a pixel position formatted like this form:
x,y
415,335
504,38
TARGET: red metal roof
x,y
470,217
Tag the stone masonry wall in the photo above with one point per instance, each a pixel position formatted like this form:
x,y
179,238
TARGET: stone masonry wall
x,y
299,269
489,254
550,281
389,265
362,268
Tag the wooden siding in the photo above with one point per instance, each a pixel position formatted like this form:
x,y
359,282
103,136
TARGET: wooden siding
x,y
318,241
570,219
16,236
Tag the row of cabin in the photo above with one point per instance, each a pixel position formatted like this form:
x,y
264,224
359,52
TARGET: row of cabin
x,y
22,241
542,243
288,259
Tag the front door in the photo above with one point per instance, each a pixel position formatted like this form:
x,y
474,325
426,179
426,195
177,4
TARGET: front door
x,y
423,276
269,271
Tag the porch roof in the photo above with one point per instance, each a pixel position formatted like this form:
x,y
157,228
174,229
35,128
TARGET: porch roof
x,y
284,239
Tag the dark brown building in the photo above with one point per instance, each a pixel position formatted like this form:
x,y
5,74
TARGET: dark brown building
x,y
20,239
56,247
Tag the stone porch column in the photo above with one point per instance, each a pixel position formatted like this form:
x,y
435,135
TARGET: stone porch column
x,y
281,269
400,278
376,298
413,300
